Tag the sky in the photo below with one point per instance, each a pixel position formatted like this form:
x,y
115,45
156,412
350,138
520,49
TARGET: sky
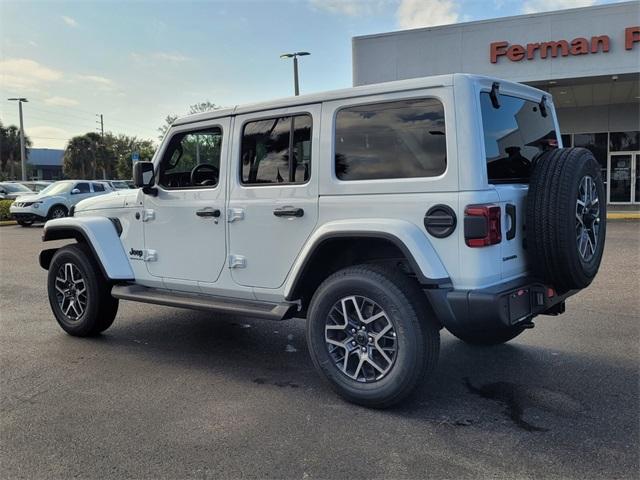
x,y
136,62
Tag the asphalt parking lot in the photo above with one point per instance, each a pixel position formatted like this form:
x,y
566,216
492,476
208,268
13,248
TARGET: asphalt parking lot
x,y
168,393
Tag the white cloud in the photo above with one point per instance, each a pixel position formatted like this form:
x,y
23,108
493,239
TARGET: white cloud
x,y
24,74
427,13
533,6
97,79
32,43
171,57
69,21
350,8
61,102
44,136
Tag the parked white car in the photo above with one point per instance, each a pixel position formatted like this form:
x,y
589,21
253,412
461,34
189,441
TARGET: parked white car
x,y
55,201
380,214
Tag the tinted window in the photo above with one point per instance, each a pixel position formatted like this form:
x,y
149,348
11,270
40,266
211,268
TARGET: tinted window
x,y
597,143
514,135
192,159
83,187
624,141
566,140
98,187
277,150
403,139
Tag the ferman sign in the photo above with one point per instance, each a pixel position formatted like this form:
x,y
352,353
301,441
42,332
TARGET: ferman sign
x,y
564,48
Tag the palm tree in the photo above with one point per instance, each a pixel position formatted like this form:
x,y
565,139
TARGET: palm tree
x,y
10,150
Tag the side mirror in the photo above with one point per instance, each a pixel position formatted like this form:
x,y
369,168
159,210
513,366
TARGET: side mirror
x,y
75,191
143,176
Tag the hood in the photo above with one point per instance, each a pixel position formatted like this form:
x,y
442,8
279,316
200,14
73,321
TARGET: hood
x,y
116,199
36,198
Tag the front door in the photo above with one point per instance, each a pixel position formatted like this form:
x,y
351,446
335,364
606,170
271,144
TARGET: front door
x,y
273,198
184,227
624,177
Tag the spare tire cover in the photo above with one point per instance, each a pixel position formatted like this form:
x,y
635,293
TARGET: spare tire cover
x,y
566,218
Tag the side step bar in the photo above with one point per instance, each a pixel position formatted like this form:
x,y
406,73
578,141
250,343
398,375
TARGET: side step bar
x,y
170,298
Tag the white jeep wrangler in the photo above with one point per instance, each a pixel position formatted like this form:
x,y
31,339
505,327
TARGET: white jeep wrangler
x,y
381,214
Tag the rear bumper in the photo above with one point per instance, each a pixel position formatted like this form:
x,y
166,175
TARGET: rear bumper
x,y
502,305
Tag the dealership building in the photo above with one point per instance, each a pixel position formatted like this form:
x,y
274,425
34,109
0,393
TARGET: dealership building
x,y
588,59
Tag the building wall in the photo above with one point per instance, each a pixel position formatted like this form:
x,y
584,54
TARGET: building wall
x,y
465,47
600,118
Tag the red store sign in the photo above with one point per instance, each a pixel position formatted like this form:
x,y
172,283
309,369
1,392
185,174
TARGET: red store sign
x,y
563,48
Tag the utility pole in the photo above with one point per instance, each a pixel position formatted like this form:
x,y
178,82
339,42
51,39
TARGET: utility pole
x,y
296,86
23,152
101,122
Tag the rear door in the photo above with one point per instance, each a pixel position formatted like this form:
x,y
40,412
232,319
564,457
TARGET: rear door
x,y
273,198
514,134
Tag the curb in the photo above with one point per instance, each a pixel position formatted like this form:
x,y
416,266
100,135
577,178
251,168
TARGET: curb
x,y
5,223
623,216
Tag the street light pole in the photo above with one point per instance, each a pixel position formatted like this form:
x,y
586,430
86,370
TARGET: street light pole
x,y
23,153
296,86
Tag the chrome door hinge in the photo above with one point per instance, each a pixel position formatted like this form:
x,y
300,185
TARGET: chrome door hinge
x,y
234,214
148,214
237,261
150,255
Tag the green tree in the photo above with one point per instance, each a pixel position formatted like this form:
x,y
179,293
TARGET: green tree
x,y
123,146
10,157
88,156
201,107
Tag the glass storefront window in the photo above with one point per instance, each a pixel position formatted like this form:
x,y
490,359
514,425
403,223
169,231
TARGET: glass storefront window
x,y
624,141
597,143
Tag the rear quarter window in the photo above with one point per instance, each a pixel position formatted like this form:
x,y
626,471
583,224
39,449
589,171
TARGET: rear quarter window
x,y
400,139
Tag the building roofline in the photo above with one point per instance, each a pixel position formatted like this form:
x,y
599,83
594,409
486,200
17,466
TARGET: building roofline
x,y
494,20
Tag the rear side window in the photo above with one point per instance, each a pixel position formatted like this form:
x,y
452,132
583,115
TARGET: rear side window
x,y
83,187
98,187
401,139
514,134
276,151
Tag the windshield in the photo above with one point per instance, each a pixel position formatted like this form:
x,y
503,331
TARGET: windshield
x,y
57,188
514,134
15,188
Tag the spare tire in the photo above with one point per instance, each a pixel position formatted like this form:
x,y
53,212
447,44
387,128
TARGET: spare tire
x,y
566,218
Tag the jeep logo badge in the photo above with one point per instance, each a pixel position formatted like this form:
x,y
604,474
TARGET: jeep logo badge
x,y
137,253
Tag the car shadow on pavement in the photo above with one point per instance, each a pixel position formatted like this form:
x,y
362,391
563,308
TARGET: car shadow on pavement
x,y
516,385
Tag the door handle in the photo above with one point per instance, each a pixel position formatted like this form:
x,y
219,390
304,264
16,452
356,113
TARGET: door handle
x,y
288,212
511,213
208,212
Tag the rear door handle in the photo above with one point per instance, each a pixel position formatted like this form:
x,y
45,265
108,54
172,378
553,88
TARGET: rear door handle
x,y
288,212
208,212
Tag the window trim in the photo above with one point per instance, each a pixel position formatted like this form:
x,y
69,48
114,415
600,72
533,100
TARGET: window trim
x,y
386,180
186,132
272,117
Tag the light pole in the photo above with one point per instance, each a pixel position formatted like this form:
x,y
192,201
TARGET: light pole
x,y
295,67
23,153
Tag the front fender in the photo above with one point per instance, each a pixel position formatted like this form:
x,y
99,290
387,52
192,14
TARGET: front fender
x,y
405,235
101,235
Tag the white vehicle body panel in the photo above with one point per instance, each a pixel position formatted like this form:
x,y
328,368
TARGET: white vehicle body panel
x,y
103,238
193,254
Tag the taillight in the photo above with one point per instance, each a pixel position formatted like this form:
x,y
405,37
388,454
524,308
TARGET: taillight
x,y
482,225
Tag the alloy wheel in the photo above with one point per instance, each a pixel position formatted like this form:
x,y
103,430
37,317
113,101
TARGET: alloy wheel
x,y
587,218
71,291
361,339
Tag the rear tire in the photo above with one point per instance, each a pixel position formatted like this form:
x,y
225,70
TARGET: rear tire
x,y
489,337
79,295
370,309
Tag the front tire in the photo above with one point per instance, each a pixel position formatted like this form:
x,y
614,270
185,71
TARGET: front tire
x,y
25,223
57,211
79,295
370,335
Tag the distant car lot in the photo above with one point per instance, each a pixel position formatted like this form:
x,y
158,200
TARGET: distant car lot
x,y
179,394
